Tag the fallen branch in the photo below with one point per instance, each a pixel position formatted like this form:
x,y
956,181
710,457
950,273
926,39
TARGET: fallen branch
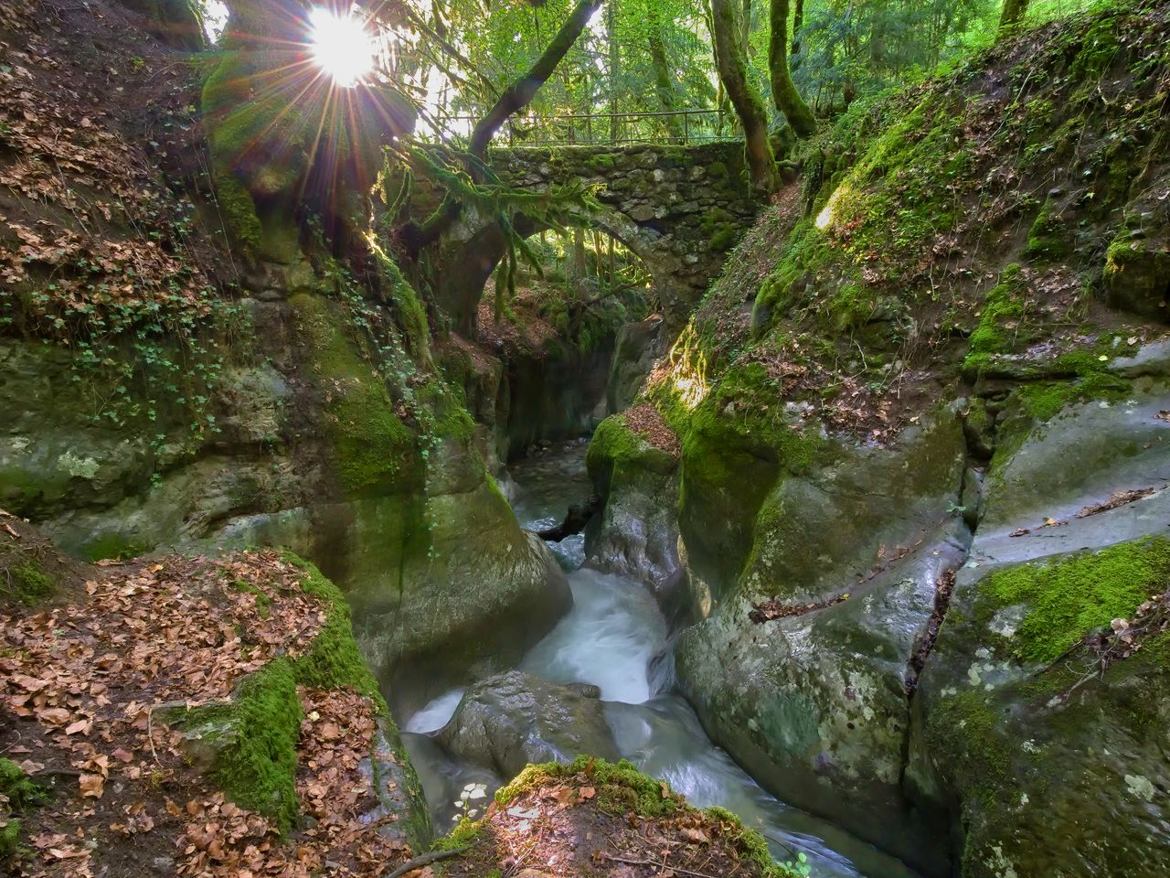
x,y
772,609
678,870
575,521
423,860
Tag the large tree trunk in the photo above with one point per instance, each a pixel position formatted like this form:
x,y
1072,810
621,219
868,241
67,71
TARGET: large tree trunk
x,y
1013,13
784,94
729,59
523,90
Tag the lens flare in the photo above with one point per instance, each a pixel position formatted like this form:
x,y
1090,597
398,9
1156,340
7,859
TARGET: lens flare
x,y
342,47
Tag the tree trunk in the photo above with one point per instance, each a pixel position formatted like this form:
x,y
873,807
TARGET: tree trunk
x,y
578,267
797,24
784,94
1012,15
613,64
663,81
729,59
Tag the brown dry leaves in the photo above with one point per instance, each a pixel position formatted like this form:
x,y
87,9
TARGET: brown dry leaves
x,y
84,682
91,222
558,828
645,420
221,840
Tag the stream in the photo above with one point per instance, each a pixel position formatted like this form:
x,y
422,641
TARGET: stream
x,y
616,638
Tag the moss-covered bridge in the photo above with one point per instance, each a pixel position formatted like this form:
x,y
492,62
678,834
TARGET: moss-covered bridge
x,y
679,208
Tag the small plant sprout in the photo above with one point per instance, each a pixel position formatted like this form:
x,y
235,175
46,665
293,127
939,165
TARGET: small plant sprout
x,y
473,792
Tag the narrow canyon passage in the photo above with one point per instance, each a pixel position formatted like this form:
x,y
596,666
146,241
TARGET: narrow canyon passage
x,y
615,638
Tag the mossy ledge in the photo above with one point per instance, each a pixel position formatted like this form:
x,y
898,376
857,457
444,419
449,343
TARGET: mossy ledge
x,y
255,734
621,789
1075,595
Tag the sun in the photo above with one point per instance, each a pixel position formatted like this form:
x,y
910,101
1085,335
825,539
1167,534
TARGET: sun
x,y
342,47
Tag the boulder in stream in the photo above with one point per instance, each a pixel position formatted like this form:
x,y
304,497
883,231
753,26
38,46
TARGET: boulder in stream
x,y
510,720
802,672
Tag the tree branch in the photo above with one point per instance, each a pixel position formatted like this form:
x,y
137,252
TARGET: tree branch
x,y
516,98
523,90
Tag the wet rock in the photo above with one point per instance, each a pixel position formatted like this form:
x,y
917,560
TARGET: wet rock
x,y
1050,767
1151,360
469,591
510,720
637,533
814,703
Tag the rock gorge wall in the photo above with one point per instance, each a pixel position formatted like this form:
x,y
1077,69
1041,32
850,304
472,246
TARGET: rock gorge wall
x,y
187,365
909,461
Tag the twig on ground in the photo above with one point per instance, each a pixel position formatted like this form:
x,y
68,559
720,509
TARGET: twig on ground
x,y
677,869
423,860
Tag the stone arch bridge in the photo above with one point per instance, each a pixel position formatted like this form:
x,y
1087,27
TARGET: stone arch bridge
x,y
678,208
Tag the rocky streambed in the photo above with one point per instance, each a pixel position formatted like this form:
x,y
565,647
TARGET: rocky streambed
x,y
602,683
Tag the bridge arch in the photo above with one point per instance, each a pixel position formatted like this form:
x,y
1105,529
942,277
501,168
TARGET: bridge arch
x,y
678,208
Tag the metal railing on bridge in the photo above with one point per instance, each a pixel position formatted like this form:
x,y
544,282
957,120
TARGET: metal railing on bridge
x,y
682,127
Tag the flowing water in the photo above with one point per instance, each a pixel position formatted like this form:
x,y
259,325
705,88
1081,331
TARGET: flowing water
x,y
616,638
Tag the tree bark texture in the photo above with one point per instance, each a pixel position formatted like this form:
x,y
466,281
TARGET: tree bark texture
x,y
784,94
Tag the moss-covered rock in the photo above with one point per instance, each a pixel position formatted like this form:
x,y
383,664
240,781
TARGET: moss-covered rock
x,y
248,744
737,439
600,803
1046,765
1052,769
374,452
814,703
450,583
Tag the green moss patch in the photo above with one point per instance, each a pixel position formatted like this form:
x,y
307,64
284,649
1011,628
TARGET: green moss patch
x,y
1068,598
18,792
257,768
999,322
375,452
26,583
1048,239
